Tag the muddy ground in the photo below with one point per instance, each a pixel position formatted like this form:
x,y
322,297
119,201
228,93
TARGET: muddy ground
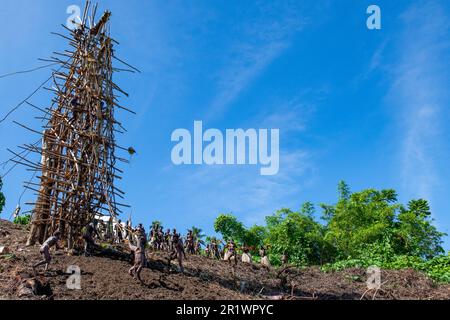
x,y
106,277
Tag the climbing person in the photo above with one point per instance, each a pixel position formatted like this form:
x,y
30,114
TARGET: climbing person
x,y
44,250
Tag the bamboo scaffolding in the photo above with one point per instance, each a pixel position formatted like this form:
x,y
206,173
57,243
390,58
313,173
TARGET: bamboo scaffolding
x,y
78,160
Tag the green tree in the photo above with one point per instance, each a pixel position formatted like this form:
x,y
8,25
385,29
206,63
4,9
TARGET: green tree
x,y
22,220
2,197
343,190
369,227
371,224
360,219
415,234
298,235
198,234
210,239
308,209
156,224
254,237
229,227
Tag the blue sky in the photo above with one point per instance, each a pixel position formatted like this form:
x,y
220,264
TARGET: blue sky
x,y
366,106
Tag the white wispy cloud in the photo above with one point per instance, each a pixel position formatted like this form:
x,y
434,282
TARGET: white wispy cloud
x,y
263,41
290,116
419,89
241,189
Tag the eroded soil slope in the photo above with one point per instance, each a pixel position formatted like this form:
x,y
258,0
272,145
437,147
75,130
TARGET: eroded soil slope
x,y
106,277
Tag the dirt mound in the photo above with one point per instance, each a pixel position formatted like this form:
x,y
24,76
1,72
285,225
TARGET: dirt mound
x,y
106,277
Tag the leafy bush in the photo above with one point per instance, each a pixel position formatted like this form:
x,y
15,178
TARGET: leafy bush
x,y
232,229
298,235
362,229
229,227
437,268
22,220
369,219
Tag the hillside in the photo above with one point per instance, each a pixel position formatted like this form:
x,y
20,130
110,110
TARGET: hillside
x,y
106,277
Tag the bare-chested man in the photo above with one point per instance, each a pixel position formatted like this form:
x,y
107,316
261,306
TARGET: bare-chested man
x,y
160,238
152,237
168,243
129,231
231,253
177,249
197,247
215,250
140,233
139,258
190,242
45,250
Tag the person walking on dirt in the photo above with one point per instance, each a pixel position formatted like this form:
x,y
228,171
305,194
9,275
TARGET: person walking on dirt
x,y
129,231
168,243
160,238
177,250
88,237
152,237
246,257
44,250
221,249
264,258
190,242
197,247
139,259
215,250
231,252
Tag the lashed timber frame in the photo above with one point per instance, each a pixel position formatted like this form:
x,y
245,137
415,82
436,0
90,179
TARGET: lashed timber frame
x,y
78,162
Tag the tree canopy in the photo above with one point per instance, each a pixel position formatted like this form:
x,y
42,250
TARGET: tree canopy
x,y
369,226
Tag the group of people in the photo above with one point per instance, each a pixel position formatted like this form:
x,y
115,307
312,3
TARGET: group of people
x,y
172,242
157,240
